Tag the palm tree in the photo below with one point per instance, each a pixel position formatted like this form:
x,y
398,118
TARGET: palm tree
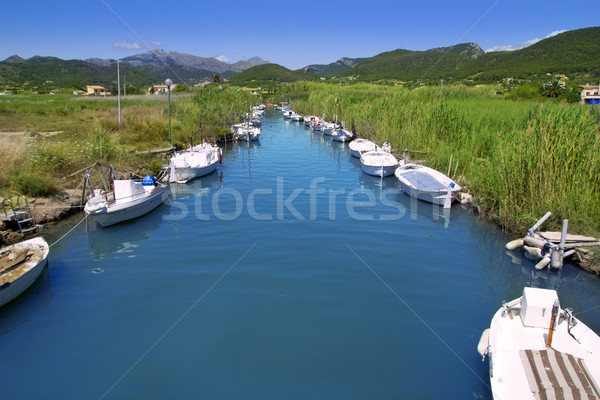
x,y
553,89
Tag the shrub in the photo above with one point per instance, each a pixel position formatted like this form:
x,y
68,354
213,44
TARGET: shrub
x,y
31,184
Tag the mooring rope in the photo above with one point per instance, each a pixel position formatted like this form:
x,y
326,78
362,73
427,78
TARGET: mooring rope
x,y
70,230
589,309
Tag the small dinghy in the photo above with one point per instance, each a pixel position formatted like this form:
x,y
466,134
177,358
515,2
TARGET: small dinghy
x,y
378,163
427,184
538,350
359,146
20,265
129,199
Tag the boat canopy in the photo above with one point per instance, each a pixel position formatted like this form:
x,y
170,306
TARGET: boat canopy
x,y
127,190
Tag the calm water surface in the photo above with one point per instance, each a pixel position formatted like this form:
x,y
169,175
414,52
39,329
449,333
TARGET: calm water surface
x,y
288,274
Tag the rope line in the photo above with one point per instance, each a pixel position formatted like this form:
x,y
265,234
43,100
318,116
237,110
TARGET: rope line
x,y
70,230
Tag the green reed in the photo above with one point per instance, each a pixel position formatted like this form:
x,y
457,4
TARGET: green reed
x,y
519,158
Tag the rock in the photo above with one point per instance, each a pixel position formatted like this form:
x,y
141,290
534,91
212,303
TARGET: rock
x,y
589,259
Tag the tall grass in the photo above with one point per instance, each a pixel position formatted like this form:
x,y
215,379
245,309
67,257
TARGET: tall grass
x,y
61,134
519,158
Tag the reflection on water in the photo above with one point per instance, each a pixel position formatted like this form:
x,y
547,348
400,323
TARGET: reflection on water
x,y
33,301
124,237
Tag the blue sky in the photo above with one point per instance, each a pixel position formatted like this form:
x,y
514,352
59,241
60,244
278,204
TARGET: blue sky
x,y
293,34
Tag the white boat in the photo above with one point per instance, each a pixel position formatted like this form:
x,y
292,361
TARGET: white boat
x,y
296,117
317,124
308,120
20,265
194,162
378,163
359,146
129,199
538,350
427,184
342,135
287,113
247,133
328,127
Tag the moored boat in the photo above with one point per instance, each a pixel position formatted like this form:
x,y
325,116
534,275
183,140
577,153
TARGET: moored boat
x,y
360,145
538,350
427,184
194,162
328,127
342,135
378,163
129,199
20,265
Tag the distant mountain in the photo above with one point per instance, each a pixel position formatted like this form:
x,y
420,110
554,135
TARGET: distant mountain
x,y
573,53
333,69
270,74
466,49
14,60
38,71
160,57
409,65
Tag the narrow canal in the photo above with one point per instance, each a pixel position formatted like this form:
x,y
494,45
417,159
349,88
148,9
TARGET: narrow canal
x,y
288,274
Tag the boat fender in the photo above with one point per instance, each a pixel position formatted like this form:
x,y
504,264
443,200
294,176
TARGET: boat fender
x,y
556,259
531,241
219,156
484,343
543,263
514,244
533,253
149,180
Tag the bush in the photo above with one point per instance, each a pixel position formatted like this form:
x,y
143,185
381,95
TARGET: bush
x,y
31,184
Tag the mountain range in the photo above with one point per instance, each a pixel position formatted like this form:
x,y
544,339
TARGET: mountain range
x,y
572,53
147,68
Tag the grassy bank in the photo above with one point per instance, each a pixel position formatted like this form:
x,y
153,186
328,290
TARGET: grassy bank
x,y
519,158
43,139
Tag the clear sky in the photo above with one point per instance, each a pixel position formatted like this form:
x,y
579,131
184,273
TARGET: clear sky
x,y
293,34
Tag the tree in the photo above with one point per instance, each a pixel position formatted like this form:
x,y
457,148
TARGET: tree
x,y
553,89
216,78
180,88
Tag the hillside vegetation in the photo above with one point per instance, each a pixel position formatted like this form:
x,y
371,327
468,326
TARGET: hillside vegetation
x,y
573,53
270,74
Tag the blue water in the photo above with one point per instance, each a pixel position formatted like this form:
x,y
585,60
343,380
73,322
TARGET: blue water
x,y
288,274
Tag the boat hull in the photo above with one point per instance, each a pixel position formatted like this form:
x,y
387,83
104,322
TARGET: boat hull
x,y
437,196
28,273
115,214
378,171
185,174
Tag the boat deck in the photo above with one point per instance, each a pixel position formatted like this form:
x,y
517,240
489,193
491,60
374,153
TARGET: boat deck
x,y
423,180
522,362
